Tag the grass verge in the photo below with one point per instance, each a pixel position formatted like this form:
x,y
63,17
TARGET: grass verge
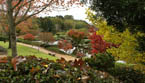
x,y
27,51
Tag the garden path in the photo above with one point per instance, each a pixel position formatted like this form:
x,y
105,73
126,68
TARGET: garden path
x,y
1,56
66,57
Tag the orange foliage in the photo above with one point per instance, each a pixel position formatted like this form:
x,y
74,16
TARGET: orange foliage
x,y
25,26
3,60
64,44
75,34
46,37
29,37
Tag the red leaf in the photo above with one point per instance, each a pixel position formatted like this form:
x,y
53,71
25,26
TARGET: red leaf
x,y
3,60
62,60
78,63
14,62
33,70
17,60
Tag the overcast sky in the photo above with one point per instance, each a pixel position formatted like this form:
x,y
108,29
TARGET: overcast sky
x,y
77,13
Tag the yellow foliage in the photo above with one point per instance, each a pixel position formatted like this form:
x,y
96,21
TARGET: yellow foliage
x,y
127,50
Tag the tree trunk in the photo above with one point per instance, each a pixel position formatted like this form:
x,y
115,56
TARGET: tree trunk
x,y
13,41
12,28
9,40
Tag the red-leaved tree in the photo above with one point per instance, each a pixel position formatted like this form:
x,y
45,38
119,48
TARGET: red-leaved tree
x,y
64,44
98,44
29,36
76,35
18,11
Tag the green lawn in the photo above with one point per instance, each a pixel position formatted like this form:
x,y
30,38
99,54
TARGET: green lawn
x,y
27,51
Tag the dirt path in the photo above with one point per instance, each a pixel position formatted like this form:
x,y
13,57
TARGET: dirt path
x,y
1,56
66,57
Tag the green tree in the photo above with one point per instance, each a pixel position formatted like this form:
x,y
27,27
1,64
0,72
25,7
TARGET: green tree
x,y
68,17
123,14
45,24
80,24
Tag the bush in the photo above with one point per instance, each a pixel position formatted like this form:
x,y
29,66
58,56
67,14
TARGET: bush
x,y
35,70
101,61
24,41
46,37
29,36
45,45
3,38
128,75
54,48
28,42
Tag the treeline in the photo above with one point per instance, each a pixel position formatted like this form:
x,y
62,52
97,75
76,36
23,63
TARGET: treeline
x,y
60,23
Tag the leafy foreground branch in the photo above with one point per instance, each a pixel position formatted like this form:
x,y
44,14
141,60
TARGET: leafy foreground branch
x,y
36,70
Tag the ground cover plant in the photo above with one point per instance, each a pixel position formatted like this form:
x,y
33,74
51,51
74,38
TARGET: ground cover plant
x,y
26,51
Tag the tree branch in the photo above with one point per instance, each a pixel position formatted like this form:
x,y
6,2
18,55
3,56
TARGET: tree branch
x,y
2,8
19,8
17,4
23,18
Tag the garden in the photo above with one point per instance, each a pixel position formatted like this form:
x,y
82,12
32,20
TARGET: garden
x,y
61,49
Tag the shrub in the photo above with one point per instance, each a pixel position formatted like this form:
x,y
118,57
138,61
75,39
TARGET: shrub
x,y
64,44
75,34
28,42
77,39
101,61
46,37
55,49
24,41
29,36
3,38
34,70
128,75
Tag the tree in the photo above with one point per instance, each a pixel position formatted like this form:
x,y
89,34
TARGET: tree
x,y
18,11
4,26
68,17
122,13
46,37
27,26
45,24
69,24
81,24
77,39
127,42
29,37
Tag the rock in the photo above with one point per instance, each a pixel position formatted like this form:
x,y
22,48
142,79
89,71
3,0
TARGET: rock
x,y
120,61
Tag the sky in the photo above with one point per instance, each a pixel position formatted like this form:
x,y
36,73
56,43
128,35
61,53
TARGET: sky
x,y
77,12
